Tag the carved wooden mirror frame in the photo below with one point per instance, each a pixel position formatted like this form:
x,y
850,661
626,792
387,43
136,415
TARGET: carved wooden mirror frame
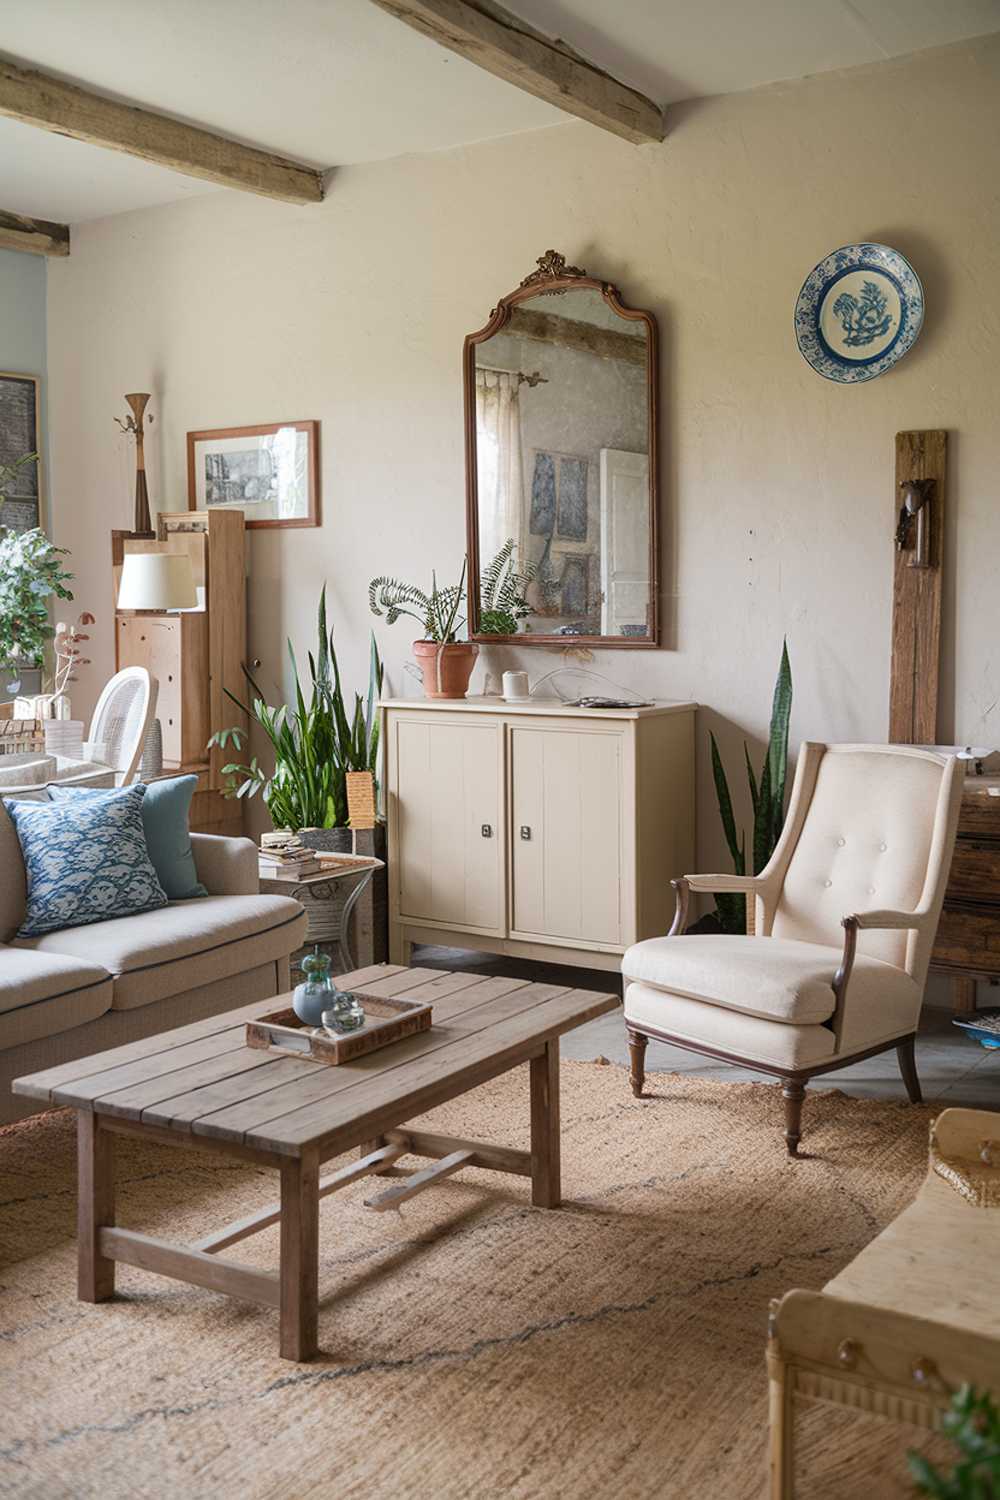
x,y
552,277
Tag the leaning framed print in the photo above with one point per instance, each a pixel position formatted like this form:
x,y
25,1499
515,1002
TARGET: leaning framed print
x,y
20,447
269,472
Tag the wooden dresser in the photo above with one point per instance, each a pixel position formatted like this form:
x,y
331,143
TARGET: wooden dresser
x,y
968,939
538,830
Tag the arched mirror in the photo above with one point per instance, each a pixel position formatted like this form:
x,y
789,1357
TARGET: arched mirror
x,y
560,422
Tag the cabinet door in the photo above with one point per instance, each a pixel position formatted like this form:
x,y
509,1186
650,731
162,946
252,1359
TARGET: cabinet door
x,y
448,819
566,825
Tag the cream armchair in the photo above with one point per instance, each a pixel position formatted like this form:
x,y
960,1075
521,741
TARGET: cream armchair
x,y
844,920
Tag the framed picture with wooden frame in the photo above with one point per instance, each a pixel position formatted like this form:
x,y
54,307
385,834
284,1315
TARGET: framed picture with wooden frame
x,y
20,435
269,472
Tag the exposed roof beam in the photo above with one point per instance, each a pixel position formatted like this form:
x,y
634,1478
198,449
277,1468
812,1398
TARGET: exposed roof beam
x,y
37,235
38,99
511,49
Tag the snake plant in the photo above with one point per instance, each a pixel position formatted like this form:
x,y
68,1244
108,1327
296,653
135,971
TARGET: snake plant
x,y
315,741
767,795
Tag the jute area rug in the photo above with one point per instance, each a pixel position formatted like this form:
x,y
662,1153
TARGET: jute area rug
x,y
472,1345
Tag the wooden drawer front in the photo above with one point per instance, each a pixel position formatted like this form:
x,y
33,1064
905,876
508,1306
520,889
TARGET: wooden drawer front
x,y
975,870
968,937
450,824
566,821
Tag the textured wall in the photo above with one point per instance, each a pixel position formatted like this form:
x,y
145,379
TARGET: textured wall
x,y
777,485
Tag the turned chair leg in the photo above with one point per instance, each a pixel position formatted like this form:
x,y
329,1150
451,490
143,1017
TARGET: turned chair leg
x,y
908,1068
793,1094
637,1044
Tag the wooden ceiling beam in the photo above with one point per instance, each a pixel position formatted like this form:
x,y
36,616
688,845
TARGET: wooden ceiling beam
x,y
511,49
38,236
36,98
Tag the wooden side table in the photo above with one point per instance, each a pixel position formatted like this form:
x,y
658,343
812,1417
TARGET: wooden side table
x,y
328,905
967,947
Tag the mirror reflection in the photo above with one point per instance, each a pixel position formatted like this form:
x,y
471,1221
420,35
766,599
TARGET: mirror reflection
x,y
563,418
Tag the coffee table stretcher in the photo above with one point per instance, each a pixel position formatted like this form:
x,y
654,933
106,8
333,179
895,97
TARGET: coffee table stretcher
x,y
479,1039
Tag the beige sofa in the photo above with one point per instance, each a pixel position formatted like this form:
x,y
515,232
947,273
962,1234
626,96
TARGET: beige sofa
x,y
84,989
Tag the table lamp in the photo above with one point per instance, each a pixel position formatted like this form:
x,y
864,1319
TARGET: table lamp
x,y
157,581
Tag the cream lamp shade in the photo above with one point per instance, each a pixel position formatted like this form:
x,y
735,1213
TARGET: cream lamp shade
x,y
157,580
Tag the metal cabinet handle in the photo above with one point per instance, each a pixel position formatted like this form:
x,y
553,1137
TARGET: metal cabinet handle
x,y
525,831
487,831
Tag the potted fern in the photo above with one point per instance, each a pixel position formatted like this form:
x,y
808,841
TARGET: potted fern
x,y
502,593
445,663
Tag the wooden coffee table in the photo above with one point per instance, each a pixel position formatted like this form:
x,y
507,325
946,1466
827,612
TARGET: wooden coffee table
x,y
202,1087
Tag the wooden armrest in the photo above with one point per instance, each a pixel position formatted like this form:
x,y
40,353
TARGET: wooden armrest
x,y
900,919
711,883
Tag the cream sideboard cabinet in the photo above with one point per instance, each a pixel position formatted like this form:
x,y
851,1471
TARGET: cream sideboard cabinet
x,y
538,830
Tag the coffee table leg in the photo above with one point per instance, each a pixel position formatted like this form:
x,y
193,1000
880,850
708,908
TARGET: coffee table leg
x,y
95,1207
546,1191
299,1274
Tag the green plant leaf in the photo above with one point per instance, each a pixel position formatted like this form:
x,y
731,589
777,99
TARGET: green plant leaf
x,y
736,850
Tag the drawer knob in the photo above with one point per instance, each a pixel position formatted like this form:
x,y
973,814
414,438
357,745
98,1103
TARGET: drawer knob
x,y
525,831
487,830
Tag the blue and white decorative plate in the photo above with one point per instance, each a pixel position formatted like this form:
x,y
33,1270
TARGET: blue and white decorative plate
x,y
858,312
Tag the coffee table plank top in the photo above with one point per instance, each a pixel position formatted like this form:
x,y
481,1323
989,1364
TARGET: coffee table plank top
x,y
202,1079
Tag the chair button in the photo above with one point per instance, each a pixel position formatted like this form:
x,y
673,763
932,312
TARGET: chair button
x,y
841,843
828,883
883,847
871,890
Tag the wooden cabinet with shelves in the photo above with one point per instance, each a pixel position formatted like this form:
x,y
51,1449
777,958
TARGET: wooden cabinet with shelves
x,y
541,831
194,655
967,947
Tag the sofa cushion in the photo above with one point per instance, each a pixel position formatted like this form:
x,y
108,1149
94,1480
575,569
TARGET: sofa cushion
x,y
165,811
13,884
183,945
86,860
42,994
779,979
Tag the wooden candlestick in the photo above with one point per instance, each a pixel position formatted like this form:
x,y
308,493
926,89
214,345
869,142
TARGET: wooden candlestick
x,y
137,401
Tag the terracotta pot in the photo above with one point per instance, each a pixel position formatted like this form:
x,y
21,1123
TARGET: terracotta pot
x,y
445,669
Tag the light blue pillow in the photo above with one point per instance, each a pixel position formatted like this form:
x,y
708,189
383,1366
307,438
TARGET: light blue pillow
x,y
86,860
165,811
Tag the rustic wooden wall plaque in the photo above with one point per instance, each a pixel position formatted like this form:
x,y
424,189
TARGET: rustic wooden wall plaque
x,y
916,599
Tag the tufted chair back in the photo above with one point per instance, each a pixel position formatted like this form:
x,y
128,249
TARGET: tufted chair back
x,y
869,828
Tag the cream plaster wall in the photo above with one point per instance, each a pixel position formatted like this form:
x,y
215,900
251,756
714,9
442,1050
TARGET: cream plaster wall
x,y
777,485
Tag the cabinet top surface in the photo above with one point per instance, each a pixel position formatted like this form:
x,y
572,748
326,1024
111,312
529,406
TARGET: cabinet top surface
x,y
549,707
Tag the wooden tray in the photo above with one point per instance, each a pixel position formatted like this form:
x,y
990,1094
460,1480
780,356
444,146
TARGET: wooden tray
x,y
386,1021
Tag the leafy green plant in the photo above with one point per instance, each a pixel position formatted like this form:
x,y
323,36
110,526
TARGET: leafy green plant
x,y
502,602
315,741
9,473
767,794
437,611
973,1424
31,573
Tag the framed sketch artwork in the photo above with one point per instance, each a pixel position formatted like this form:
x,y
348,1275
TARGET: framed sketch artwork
x,y
270,472
19,437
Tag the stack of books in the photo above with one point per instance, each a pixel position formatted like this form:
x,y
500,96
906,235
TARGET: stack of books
x,y
283,856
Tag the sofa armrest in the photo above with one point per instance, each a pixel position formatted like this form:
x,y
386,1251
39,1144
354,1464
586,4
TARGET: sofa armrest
x,y
226,866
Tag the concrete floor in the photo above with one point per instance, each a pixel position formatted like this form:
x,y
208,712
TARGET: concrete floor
x,y
953,1069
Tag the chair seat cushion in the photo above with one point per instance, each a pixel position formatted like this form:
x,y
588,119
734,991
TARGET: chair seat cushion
x,y
777,979
714,1027
42,994
183,945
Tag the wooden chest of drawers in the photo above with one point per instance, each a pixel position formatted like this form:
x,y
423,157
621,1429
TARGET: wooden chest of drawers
x,y
968,938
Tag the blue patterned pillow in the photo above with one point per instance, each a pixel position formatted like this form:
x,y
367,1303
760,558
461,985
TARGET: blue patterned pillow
x,y
86,861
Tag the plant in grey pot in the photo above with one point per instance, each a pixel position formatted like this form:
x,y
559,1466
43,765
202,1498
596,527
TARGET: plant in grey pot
x,y
445,663
315,743
31,573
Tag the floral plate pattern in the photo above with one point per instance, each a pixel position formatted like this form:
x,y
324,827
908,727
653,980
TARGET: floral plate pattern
x,y
858,312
